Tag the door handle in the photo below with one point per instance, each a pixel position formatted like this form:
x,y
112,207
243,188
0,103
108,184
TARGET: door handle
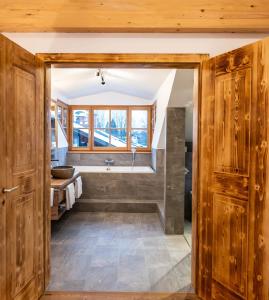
x,y
11,189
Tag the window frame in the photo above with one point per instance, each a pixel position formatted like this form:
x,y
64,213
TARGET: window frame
x,y
63,106
91,108
53,106
110,108
70,132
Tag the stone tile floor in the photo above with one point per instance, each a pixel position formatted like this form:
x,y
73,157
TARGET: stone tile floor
x,y
118,252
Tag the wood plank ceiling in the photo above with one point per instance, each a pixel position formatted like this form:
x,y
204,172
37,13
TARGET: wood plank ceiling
x,y
134,16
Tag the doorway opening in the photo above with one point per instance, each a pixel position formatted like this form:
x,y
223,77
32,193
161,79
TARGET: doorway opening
x,y
129,235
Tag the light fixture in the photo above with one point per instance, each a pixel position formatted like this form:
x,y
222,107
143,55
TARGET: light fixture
x,y
102,79
100,73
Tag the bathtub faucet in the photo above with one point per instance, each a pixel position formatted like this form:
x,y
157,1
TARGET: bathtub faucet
x,y
109,162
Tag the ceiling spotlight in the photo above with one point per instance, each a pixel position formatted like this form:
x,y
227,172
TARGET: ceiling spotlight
x,y
100,73
102,80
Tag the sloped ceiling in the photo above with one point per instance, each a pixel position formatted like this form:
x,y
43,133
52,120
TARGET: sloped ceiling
x,y
78,82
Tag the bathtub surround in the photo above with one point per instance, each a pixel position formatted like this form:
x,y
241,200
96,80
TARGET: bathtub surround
x,y
174,179
114,169
98,159
138,189
130,186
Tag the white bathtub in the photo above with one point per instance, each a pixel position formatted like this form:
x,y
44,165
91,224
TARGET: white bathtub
x,y
113,169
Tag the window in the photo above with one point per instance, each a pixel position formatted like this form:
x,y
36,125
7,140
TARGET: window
x,y
62,116
139,128
53,125
108,128
80,125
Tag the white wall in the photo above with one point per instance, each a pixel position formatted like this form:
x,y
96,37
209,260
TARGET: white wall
x,y
212,43
176,91
109,98
162,97
56,94
182,91
62,142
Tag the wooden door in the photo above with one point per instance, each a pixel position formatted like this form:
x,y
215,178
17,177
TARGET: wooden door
x,y
22,187
234,178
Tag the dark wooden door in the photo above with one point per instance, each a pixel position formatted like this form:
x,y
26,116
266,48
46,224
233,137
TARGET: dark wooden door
x,y
234,166
22,186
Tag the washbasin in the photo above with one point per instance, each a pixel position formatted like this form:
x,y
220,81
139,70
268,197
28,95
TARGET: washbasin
x,y
62,172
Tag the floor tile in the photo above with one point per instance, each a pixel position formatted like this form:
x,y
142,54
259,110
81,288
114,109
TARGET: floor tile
x,y
118,252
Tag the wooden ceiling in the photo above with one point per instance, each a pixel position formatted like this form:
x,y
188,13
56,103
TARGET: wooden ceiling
x,y
134,16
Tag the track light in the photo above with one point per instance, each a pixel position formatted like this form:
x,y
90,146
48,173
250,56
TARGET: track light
x,y
102,80
100,73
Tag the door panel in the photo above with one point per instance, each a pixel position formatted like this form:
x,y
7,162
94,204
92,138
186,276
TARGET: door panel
x,y
229,256
23,128
233,175
232,122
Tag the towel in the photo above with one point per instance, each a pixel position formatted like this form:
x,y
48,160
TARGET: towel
x,y
70,196
78,187
51,196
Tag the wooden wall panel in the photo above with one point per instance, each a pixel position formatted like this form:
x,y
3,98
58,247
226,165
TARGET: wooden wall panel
x,y
229,255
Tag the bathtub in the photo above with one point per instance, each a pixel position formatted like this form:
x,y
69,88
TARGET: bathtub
x,y
114,169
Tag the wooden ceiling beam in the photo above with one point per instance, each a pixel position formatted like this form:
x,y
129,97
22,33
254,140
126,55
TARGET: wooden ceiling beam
x,y
129,60
134,16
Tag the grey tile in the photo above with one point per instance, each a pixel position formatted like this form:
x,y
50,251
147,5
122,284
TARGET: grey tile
x,y
117,252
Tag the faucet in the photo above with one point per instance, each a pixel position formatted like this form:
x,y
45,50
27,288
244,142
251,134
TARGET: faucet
x,y
133,149
109,162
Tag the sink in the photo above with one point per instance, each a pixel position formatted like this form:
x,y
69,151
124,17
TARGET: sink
x,y
62,172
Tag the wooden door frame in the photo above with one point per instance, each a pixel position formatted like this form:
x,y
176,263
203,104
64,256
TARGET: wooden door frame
x,y
134,60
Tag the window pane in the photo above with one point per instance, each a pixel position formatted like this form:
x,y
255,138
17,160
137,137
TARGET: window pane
x,y
118,119
139,118
53,138
101,118
65,117
119,138
52,112
80,137
80,119
139,138
101,138
59,114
